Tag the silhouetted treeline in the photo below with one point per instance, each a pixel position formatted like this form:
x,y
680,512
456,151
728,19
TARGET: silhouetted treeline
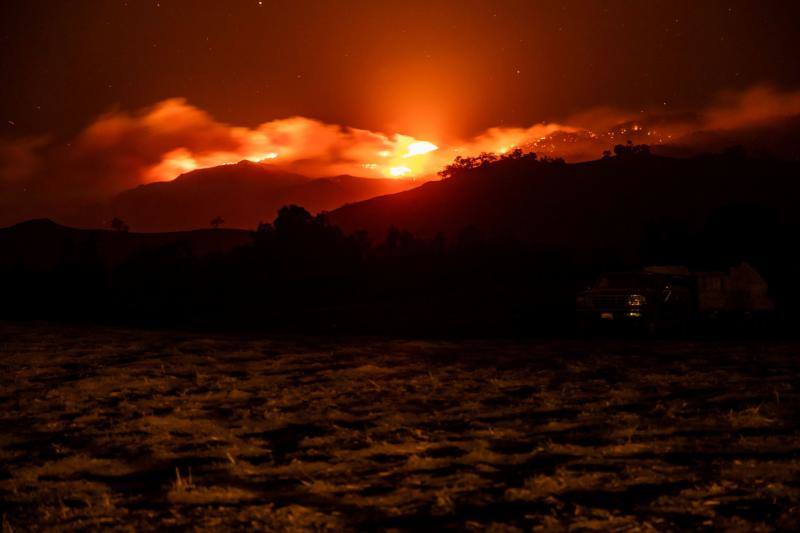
x,y
302,273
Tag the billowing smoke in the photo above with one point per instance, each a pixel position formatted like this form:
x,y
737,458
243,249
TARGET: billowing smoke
x,y
754,107
171,138
120,149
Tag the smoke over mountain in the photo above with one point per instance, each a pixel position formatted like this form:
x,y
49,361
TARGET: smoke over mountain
x,y
122,149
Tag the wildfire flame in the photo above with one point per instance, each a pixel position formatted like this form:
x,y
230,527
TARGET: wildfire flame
x,y
120,150
300,141
419,148
399,171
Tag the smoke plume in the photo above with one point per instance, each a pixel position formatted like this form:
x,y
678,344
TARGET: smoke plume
x,y
120,149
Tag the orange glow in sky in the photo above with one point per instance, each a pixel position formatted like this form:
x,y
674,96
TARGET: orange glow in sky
x,y
399,171
299,144
172,137
419,148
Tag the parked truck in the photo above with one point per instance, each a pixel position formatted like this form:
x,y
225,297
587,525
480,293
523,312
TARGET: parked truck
x,y
662,298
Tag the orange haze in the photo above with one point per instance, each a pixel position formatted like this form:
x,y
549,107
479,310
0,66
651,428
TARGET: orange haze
x,y
173,137
122,149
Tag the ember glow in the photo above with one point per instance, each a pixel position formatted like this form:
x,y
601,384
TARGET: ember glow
x,y
419,148
399,171
124,149
297,143
173,137
147,91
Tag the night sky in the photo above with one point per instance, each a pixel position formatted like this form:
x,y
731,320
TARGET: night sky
x,y
422,68
98,97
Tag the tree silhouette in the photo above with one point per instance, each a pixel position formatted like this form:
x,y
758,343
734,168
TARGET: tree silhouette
x,y
737,152
217,221
462,165
631,150
292,220
117,224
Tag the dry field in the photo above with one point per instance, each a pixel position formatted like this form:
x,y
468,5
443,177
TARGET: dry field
x,y
132,430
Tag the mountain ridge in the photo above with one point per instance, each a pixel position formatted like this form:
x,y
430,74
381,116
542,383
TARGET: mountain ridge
x,y
604,202
243,194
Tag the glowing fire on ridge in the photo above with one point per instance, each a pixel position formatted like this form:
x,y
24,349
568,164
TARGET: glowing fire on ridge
x,y
399,171
419,148
310,146
172,137
405,160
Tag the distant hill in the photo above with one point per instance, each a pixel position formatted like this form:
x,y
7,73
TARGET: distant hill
x,y
608,202
40,245
243,194
776,138
575,220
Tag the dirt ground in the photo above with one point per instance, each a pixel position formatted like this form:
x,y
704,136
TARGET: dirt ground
x,y
133,430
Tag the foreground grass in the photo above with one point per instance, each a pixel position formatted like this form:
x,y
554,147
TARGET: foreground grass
x,y
104,428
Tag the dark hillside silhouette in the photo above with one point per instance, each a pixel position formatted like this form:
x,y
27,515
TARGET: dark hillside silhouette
x,y
42,245
773,138
243,194
501,245
608,202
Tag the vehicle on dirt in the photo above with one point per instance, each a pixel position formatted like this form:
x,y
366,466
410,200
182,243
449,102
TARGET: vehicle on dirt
x,y
643,300
669,298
